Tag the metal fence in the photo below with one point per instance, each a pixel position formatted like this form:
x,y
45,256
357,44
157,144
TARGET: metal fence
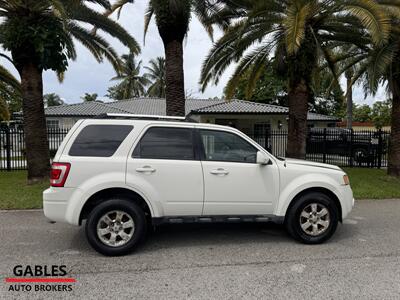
x,y
12,146
336,146
342,147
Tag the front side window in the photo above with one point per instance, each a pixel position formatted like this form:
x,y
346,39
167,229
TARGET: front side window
x,y
99,140
166,143
226,146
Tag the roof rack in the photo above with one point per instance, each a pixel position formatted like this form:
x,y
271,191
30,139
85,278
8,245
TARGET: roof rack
x,y
142,117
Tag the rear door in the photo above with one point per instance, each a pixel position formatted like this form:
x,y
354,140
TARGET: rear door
x,y
165,166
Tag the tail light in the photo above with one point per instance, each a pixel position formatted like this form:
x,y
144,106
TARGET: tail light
x,y
59,173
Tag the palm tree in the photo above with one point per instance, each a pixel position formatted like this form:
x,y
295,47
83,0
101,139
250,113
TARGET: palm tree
x,y
381,65
172,18
349,73
299,35
89,97
52,100
41,34
132,83
156,73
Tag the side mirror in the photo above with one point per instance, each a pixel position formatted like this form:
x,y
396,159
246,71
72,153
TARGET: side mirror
x,y
262,159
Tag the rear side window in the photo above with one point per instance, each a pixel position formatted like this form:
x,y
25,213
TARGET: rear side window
x,y
166,143
99,140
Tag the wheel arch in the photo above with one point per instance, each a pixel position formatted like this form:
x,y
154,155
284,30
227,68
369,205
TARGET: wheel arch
x,y
322,190
107,193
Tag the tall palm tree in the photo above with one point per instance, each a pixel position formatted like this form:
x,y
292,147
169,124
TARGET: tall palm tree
x,y
298,34
41,34
381,65
156,73
349,73
132,84
172,18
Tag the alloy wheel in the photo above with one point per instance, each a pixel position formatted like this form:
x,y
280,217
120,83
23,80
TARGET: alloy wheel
x,y
115,228
314,219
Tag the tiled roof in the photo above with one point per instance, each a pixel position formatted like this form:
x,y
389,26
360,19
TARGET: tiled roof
x,y
148,106
248,107
81,109
156,106
242,107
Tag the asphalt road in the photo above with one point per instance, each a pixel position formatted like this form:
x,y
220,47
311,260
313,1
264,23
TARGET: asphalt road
x,y
248,261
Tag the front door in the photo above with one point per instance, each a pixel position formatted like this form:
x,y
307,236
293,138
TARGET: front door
x,y
234,183
165,167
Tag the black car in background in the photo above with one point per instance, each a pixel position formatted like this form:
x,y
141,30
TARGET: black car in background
x,y
361,145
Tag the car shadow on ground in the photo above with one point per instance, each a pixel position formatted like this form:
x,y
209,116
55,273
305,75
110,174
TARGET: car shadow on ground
x,y
170,236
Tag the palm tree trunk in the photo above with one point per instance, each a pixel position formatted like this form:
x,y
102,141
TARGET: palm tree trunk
x,y
349,100
299,96
37,147
394,148
175,84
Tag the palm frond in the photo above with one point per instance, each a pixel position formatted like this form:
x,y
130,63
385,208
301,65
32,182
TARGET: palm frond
x,y
7,78
87,15
295,25
372,17
147,19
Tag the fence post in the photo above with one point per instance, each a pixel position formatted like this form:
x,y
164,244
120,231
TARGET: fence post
x,y
324,147
379,148
351,147
8,148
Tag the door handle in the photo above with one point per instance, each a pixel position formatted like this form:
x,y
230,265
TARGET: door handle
x,y
146,169
219,171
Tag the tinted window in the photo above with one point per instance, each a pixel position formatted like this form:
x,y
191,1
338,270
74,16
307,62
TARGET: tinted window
x,y
166,143
225,146
99,140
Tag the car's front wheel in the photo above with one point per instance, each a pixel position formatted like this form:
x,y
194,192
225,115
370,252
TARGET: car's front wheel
x,y
115,227
313,218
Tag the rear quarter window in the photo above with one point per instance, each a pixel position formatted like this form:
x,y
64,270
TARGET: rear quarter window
x,y
99,140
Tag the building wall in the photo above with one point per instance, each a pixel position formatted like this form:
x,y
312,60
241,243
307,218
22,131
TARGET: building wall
x,y
62,122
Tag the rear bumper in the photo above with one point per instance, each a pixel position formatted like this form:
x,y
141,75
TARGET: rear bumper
x,y
56,202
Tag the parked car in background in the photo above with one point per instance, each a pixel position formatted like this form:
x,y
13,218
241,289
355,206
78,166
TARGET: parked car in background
x,y
360,145
124,174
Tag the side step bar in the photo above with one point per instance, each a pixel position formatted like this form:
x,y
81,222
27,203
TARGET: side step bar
x,y
217,219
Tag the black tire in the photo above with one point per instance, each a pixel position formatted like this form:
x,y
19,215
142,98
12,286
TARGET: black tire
x,y
360,155
293,221
124,205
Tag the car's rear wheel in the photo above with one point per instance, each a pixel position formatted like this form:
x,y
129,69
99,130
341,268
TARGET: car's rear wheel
x,y
313,218
116,227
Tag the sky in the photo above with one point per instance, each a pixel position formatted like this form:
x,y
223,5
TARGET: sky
x,y
86,75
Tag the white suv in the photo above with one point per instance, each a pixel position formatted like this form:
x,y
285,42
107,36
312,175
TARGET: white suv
x,y
124,174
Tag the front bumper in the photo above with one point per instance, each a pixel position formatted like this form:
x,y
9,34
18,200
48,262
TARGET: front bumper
x,y
346,200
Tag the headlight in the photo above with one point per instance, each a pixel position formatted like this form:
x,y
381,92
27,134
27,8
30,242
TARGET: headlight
x,y
346,180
